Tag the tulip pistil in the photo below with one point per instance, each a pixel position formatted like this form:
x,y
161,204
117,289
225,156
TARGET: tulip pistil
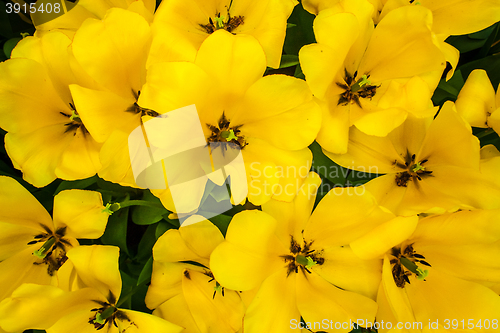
x,y
219,22
224,132
405,265
356,89
302,257
414,171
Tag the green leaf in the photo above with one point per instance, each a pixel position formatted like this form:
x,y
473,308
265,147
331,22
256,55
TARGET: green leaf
x,y
76,184
302,33
289,60
148,240
116,230
448,90
470,42
9,45
128,287
145,276
144,215
325,167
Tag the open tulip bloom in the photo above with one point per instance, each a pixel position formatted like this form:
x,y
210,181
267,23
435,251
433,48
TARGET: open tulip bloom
x,y
34,245
85,301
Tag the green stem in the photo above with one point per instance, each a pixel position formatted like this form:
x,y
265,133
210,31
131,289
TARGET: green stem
x,y
484,133
128,203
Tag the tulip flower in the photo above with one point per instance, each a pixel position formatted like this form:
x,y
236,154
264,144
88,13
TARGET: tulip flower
x,y
34,245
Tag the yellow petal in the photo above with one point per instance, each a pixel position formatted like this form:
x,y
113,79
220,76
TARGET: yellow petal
x,y
274,306
317,299
343,216
443,296
368,153
15,237
19,207
234,63
265,20
322,62
21,268
194,242
250,252
202,237
82,151
334,133
292,130
39,307
177,311
97,267
476,99
166,283
24,87
462,17
212,313
170,86
145,322
115,159
81,213
38,163
112,51
396,298
381,122
347,271
383,237
293,216
402,46
449,141
274,172
103,111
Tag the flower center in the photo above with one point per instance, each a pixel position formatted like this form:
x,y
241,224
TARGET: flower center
x,y
224,132
355,89
218,287
75,122
228,23
414,171
53,250
404,264
136,109
107,314
302,257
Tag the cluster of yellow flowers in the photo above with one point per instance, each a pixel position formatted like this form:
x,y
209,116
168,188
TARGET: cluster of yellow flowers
x,y
414,250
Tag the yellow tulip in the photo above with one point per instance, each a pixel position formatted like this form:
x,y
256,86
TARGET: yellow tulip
x,y
34,245
429,165
46,137
440,276
183,289
302,263
370,77
88,302
180,27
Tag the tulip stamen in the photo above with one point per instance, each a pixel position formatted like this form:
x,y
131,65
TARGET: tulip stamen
x,y
220,22
405,265
356,89
413,171
224,132
302,257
